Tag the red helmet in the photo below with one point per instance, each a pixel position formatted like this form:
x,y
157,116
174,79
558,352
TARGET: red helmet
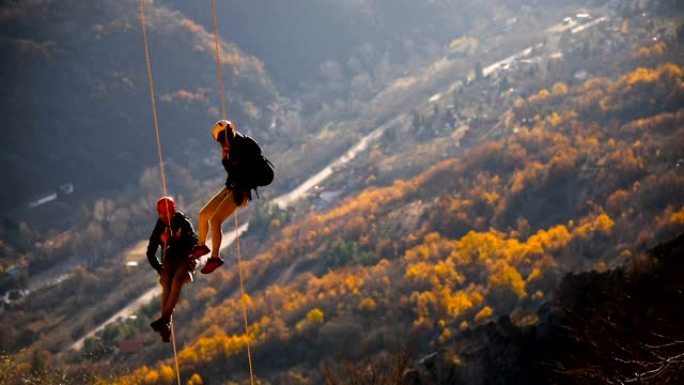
x,y
166,205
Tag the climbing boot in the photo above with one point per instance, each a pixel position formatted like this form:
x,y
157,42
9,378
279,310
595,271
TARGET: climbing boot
x,y
165,333
211,265
198,251
158,325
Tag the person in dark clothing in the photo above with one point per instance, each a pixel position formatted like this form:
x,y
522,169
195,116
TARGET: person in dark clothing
x,y
175,235
234,149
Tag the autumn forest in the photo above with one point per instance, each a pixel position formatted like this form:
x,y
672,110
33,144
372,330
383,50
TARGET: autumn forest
x,y
480,222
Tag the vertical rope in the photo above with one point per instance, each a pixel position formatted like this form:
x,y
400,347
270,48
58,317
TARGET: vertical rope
x,y
243,298
175,353
153,98
162,174
224,115
219,70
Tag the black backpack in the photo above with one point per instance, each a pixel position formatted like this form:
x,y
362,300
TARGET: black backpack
x,y
257,170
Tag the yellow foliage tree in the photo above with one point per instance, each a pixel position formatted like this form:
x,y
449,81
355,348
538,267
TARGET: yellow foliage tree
x,y
368,305
151,377
486,312
166,374
508,276
315,316
195,379
559,89
205,294
677,218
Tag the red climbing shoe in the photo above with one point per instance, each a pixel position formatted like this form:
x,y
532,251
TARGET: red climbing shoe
x,y
198,251
211,265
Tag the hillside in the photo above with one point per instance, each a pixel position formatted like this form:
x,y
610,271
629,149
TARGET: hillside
x,y
358,37
622,320
470,210
100,136
95,52
587,178
80,239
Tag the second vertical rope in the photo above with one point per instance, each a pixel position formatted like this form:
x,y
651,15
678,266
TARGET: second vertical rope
x,y
243,299
162,173
219,70
153,98
224,115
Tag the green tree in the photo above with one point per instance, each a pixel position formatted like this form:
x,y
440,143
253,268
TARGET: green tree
x,y
479,72
40,361
347,252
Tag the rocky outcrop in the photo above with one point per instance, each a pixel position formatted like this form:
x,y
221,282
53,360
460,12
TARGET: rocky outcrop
x,y
620,326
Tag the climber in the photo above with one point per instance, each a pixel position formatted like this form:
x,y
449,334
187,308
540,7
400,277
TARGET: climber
x,y
247,169
176,236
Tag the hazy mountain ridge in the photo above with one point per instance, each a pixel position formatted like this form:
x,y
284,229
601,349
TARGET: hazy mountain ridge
x,y
95,51
353,34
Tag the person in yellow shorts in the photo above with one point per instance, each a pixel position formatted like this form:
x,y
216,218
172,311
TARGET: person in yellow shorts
x,y
236,152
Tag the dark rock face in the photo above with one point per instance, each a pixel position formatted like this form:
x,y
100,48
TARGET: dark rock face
x,y
620,326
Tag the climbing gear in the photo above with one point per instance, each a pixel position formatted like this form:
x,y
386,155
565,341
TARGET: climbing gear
x,y
165,333
220,128
198,251
217,49
166,204
158,324
153,102
257,170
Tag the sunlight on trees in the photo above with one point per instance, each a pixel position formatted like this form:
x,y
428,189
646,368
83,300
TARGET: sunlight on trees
x,y
515,218
167,375
677,218
367,305
483,314
195,379
559,89
151,377
315,316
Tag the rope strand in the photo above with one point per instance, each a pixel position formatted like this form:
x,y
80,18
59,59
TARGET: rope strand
x,y
243,299
150,79
153,98
219,70
162,173
175,353
224,115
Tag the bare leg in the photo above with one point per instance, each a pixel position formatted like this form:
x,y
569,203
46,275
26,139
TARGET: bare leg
x,y
206,212
223,211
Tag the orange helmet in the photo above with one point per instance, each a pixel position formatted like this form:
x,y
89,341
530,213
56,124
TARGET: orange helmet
x,y
221,126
